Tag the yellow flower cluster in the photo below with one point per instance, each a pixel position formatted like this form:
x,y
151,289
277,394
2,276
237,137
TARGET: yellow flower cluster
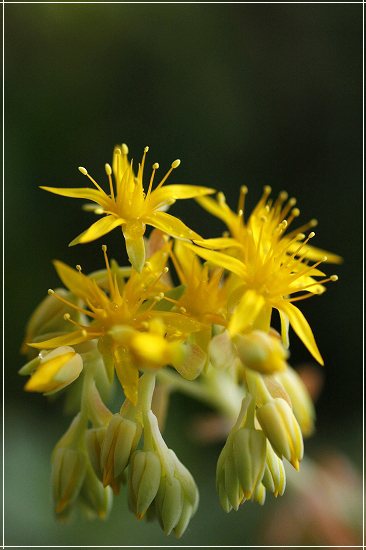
x,y
209,336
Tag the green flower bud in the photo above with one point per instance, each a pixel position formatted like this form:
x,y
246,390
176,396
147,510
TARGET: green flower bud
x,y
249,450
94,499
68,473
169,503
281,428
260,494
302,405
94,439
262,352
144,480
121,439
274,477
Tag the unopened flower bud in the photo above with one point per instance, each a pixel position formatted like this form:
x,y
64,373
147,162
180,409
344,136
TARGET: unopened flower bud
x,y
274,477
94,438
121,439
55,370
262,352
260,494
144,480
302,405
48,318
249,449
96,500
68,473
281,428
169,503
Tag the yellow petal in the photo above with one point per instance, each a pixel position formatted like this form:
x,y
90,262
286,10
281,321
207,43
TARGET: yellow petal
x,y
316,254
98,229
221,211
70,339
248,309
136,252
73,280
127,373
98,197
178,323
170,225
220,259
219,242
167,192
301,327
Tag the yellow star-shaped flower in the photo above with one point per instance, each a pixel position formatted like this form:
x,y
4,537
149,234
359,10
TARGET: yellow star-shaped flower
x,y
130,207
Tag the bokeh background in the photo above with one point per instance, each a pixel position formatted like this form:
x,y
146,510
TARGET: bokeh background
x,y
249,94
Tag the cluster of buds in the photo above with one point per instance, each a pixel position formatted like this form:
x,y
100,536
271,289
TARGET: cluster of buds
x,y
209,336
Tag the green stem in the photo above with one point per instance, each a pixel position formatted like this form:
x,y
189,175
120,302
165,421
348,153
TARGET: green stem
x,y
214,388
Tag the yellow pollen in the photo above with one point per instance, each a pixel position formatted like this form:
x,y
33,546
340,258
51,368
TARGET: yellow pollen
x,y
165,270
51,292
313,222
67,316
108,169
84,333
182,310
83,170
78,267
146,149
104,247
124,149
295,212
176,163
155,166
334,277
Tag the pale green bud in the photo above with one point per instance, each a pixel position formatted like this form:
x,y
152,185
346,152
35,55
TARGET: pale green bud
x,y
233,490
186,480
262,352
121,439
143,480
95,500
48,320
68,473
185,517
260,494
274,477
281,428
302,404
169,503
249,450
94,439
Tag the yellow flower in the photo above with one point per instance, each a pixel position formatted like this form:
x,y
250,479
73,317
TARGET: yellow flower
x,y
274,212
130,207
205,295
269,270
125,320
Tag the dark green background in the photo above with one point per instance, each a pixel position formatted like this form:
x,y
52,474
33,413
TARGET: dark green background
x,y
249,94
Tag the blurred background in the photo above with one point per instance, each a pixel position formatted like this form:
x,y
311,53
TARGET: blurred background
x,y
254,94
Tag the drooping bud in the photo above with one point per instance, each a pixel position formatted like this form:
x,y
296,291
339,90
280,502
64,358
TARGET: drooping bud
x,y
55,370
262,352
282,429
121,439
